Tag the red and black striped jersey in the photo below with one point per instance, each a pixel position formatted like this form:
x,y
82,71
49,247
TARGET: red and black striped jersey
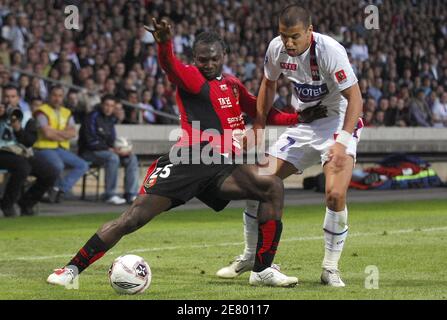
x,y
211,107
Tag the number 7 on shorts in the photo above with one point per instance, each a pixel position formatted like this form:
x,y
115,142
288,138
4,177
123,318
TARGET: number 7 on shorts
x,y
288,145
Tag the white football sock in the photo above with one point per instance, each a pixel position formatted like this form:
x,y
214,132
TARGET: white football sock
x,y
335,232
250,229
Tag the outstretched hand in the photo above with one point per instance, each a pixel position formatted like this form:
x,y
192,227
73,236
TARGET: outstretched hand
x,y
162,31
311,114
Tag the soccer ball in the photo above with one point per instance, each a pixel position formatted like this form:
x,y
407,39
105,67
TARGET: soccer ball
x,y
123,144
130,274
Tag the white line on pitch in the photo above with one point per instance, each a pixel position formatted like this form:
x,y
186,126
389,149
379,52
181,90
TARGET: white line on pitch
x,y
200,246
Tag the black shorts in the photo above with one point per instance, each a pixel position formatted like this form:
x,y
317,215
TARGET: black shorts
x,y
182,182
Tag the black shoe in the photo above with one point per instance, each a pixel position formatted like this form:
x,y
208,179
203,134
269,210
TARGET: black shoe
x,y
9,212
26,209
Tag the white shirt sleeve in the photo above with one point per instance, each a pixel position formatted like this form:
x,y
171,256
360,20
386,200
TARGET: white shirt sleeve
x,y
337,67
272,71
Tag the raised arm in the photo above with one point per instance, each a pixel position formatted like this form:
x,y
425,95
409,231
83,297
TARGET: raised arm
x,y
187,77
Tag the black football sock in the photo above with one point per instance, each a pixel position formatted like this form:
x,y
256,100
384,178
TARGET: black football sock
x,y
93,250
268,240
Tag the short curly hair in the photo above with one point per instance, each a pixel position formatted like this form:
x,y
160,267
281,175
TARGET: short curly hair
x,y
209,37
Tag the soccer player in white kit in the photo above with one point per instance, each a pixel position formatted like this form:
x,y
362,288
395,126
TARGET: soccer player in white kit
x,y
321,74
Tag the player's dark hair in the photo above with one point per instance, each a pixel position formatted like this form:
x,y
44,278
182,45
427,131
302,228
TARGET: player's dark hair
x,y
209,37
294,14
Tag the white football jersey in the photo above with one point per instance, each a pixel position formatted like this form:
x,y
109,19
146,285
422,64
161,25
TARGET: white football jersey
x,y
320,81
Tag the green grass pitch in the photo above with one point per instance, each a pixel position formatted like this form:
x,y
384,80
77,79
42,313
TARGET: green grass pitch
x,y
406,241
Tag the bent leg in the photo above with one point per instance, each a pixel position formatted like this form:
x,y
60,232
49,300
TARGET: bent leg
x,y
143,210
243,263
46,177
78,168
281,169
245,182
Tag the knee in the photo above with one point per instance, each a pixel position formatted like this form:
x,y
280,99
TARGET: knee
x,y
275,189
335,198
113,159
57,168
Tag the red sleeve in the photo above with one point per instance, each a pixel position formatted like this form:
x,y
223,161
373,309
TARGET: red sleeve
x,y
279,118
185,76
275,117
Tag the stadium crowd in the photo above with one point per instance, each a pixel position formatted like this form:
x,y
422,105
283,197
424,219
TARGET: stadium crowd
x,y
110,60
402,66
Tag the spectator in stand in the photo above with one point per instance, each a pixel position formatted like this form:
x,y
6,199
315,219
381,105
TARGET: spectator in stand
x,y
368,118
420,113
282,101
96,144
119,113
56,127
379,119
375,90
72,103
12,99
132,114
35,104
106,43
89,97
150,62
17,135
110,87
384,106
148,114
440,111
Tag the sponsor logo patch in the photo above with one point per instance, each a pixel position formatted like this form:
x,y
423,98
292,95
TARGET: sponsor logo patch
x,y
288,66
310,93
341,76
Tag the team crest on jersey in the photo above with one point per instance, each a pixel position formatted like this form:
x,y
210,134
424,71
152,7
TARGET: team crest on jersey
x,y
310,93
149,183
341,76
223,87
288,66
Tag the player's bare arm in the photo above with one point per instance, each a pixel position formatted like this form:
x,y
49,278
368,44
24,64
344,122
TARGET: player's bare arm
x,y
264,102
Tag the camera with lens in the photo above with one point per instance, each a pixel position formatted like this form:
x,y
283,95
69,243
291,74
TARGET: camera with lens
x,y
14,114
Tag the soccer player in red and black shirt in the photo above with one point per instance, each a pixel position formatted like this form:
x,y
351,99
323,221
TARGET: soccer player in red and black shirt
x,y
214,101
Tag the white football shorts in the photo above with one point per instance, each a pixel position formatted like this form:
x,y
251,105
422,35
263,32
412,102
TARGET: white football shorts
x,y
307,144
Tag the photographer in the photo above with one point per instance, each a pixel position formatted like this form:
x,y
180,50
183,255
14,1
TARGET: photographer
x,y
16,138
